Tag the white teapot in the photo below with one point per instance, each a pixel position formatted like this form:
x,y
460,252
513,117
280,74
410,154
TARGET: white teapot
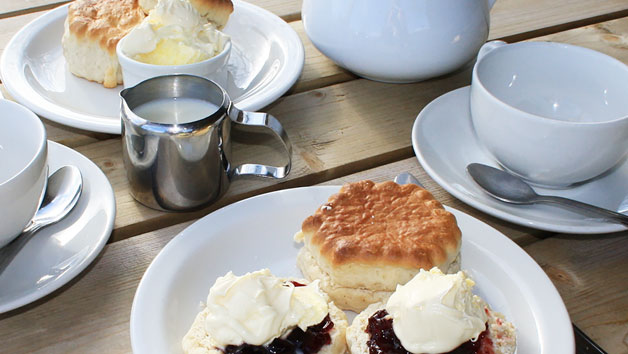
x,y
398,40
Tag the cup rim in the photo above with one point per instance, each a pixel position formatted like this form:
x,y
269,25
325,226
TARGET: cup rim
x,y
157,127
41,144
157,67
476,81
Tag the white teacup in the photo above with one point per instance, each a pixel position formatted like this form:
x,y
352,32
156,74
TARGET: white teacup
x,y
554,114
398,40
23,168
134,72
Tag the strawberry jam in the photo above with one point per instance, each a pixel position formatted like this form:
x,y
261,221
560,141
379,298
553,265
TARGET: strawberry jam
x,y
306,342
382,339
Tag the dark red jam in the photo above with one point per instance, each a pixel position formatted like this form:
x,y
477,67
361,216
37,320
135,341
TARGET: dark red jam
x,y
309,342
382,339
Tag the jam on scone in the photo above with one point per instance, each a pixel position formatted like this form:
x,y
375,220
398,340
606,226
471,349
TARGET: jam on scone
x,y
432,313
260,313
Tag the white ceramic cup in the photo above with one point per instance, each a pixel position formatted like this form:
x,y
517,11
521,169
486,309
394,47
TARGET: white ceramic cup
x,y
554,114
398,40
23,168
134,72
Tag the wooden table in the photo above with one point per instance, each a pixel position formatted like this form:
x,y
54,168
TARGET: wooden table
x,y
330,115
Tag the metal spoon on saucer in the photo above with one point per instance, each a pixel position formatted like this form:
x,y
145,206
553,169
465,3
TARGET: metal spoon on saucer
x,y
512,189
62,193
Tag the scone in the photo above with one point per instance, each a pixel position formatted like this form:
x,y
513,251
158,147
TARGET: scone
x,y
433,313
216,11
369,237
260,313
92,31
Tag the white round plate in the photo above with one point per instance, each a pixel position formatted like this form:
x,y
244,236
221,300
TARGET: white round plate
x,y
257,233
266,60
445,143
59,252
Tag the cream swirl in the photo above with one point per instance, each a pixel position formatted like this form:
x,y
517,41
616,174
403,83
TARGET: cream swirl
x,y
173,33
258,307
436,312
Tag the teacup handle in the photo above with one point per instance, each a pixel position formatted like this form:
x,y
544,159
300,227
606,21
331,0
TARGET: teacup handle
x,y
261,119
488,47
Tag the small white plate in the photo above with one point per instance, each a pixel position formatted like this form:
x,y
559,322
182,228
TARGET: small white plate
x,y
59,252
445,143
257,233
266,60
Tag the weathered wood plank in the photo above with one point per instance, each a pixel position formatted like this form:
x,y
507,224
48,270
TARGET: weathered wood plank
x,y
590,272
318,71
21,7
335,131
609,37
287,9
517,20
91,315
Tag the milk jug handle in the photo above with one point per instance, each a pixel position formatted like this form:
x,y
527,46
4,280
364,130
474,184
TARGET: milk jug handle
x,y
265,120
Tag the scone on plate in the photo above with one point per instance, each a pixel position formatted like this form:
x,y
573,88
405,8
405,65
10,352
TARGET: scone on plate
x,y
260,313
92,31
432,313
369,237
216,11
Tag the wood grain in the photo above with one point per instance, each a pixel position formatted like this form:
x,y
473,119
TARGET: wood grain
x,y
327,128
610,38
510,18
336,130
515,20
591,275
91,314
343,129
287,9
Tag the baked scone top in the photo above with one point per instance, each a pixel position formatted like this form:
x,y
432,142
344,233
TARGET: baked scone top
x,y
104,21
384,224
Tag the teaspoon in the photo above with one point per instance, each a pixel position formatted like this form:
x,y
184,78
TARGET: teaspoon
x,y
62,193
512,189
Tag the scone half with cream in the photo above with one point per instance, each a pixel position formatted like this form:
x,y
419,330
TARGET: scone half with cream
x,y
260,313
369,237
432,313
92,31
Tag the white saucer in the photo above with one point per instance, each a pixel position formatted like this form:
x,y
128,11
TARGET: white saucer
x,y
445,143
178,279
59,252
266,60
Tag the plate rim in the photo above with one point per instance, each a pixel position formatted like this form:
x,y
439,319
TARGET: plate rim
x,y
17,85
98,246
561,315
597,228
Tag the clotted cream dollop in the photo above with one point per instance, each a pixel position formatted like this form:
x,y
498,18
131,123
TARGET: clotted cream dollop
x,y
436,312
258,307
